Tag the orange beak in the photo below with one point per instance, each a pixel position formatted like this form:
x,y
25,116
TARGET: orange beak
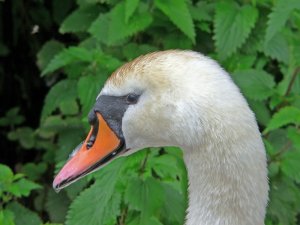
x,y
101,145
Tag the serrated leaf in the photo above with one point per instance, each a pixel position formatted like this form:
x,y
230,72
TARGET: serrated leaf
x,y
255,84
130,7
102,198
279,15
47,52
57,205
233,25
139,194
88,89
284,195
261,111
22,187
177,11
64,90
111,28
25,135
294,136
80,19
69,107
66,57
174,204
290,165
24,215
283,117
34,171
6,217
6,173
277,48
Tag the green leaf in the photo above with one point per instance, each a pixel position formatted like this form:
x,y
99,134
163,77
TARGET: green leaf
x,y
284,195
6,173
139,196
294,136
25,135
57,205
111,28
255,84
130,7
6,217
174,204
23,187
233,24
177,11
47,52
290,165
69,107
261,111
12,117
283,117
277,48
34,171
280,14
63,91
24,215
102,198
66,57
80,19
88,89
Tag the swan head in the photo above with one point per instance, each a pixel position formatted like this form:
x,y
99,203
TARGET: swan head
x,y
168,98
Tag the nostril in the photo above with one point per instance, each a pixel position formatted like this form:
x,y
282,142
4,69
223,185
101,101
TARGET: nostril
x,y
95,123
91,141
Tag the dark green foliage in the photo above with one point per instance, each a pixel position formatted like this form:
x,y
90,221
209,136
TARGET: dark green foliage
x,y
80,43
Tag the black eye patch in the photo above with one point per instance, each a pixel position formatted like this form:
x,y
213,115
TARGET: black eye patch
x,y
112,109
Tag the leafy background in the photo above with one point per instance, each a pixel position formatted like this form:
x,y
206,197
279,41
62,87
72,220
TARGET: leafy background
x,y
56,55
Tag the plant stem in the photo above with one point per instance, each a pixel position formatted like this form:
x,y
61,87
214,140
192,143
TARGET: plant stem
x,y
142,168
292,81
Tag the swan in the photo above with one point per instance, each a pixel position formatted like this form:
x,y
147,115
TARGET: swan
x,y
181,98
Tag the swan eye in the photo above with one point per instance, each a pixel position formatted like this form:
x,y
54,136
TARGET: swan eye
x,y
132,98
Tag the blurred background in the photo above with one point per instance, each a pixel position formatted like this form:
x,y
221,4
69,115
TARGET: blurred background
x,y
56,55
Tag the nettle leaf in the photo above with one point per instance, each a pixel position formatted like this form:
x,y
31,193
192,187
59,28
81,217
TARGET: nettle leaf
x,y
88,88
12,117
22,187
111,28
57,205
24,215
261,111
233,25
34,170
6,217
279,15
80,19
47,52
63,91
174,204
255,84
294,136
178,12
130,7
284,195
290,165
277,48
286,115
66,57
25,135
99,204
6,174
139,196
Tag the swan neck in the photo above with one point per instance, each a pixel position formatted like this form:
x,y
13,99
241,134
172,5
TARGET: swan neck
x,y
227,181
